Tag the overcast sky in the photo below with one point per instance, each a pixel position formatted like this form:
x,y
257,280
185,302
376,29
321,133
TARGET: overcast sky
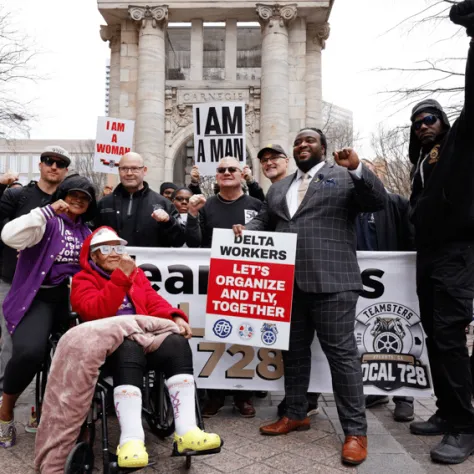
x,y
72,61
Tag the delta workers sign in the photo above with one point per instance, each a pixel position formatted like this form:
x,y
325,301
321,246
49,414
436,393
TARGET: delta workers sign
x,y
250,288
387,328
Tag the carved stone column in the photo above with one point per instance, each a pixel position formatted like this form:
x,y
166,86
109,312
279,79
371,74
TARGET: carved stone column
x,y
316,41
112,35
274,120
150,119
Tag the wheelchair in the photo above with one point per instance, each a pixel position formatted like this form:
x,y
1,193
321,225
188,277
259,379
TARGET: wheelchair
x,y
157,411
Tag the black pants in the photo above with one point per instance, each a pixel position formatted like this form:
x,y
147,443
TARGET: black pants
x,y
48,312
332,316
129,363
445,286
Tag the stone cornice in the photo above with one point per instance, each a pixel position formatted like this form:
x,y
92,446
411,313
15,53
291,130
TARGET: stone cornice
x,y
284,13
158,15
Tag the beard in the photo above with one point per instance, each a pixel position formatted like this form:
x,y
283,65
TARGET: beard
x,y
306,165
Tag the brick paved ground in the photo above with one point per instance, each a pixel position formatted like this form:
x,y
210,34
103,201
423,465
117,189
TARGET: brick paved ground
x,y
392,449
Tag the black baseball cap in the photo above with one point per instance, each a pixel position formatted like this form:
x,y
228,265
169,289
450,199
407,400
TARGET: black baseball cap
x,y
272,147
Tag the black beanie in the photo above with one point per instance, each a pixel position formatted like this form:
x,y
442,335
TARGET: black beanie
x,y
167,186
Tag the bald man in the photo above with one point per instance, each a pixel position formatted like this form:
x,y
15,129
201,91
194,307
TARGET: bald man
x,y
141,216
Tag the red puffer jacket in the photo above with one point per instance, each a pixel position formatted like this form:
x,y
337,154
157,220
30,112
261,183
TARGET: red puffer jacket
x,y
95,297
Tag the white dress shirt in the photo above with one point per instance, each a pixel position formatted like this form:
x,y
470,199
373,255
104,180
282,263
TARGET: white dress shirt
x,y
292,194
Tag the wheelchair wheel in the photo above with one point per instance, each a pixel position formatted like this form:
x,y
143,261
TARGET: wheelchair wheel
x,y
159,411
80,460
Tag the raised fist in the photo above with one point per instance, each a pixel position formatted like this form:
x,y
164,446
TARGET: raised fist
x,y
247,174
9,177
196,203
463,14
160,215
347,158
195,176
127,264
60,207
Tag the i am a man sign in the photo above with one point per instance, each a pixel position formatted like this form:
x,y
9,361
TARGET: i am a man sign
x,y
219,131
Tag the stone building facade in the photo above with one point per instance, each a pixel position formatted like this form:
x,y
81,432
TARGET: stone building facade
x,y
156,84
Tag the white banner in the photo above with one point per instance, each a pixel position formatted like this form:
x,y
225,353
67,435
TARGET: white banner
x,y
219,131
250,288
387,330
114,138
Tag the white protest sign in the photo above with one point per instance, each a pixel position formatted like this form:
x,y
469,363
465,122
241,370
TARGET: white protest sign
x,y
114,138
219,131
388,331
250,289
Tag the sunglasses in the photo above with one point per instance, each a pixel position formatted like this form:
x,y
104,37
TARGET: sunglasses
x,y
181,199
231,169
48,161
428,120
108,249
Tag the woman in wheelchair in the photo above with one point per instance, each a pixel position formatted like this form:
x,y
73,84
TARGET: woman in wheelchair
x,y
49,239
110,284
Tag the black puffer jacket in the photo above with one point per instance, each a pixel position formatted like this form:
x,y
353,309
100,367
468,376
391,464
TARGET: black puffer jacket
x,y
130,216
443,209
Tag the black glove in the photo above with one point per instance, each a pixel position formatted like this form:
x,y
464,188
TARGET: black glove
x,y
463,14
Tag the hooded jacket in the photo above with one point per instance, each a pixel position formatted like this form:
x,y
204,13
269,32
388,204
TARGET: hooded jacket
x,y
442,208
95,296
130,216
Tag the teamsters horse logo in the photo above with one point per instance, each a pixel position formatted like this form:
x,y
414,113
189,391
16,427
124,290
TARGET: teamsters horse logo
x,y
390,340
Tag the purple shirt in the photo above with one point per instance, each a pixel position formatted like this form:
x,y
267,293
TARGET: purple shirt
x,y
127,306
67,260
34,263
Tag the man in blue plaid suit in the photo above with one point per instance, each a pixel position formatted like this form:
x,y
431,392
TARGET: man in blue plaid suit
x,y
320,203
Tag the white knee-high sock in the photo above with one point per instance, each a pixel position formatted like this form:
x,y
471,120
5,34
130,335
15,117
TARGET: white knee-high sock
x,y
182,394
128,406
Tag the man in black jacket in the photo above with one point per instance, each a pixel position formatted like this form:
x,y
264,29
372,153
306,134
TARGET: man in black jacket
x,y
16,202
139,215
442,211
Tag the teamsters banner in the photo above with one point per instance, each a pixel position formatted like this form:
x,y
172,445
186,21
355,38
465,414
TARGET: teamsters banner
x,y
387,329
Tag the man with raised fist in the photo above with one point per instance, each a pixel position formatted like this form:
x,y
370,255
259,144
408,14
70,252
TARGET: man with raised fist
x,y
442,211
320,203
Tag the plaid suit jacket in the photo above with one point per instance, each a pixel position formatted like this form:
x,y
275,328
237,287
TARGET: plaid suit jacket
x,y
326,260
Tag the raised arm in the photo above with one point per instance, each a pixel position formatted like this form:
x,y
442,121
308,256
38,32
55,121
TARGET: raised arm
x,y
463,14
28,230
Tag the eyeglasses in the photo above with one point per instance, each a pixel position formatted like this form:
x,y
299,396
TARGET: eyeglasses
x,y
272,159
428,120
78,196
133,169
108,249
181,199
49,161
231,169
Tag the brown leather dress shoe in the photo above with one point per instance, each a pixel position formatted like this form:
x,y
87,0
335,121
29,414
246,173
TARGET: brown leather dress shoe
x,y
284,426
245,408
354,450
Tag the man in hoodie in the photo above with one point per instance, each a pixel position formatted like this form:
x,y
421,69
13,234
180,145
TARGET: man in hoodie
x,y
141,216
442,211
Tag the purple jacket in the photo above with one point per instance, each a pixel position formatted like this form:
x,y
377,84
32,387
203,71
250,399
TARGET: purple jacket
x,y
35,263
